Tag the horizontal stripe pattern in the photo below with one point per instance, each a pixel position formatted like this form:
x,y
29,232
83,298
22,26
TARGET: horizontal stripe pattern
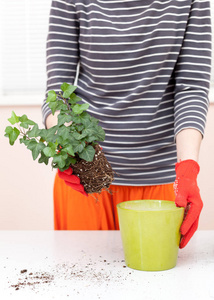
x,y
144,68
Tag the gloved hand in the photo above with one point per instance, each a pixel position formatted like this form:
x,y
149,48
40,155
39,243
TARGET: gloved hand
x,y
188,196
72,180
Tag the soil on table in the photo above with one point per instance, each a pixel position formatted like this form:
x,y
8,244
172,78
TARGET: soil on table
x,y
66,273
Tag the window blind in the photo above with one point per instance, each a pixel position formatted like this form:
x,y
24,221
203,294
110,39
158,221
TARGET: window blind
x,y
24,27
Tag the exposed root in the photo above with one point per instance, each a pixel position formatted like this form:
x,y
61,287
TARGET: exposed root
x,y
96,175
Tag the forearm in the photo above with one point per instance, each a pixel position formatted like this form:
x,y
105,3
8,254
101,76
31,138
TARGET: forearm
x,y
51,120
192,81
188,143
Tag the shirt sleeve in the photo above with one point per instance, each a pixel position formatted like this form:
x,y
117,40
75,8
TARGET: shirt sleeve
x,y
192,72
62,50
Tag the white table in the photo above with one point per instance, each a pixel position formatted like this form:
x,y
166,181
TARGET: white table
x,y
90,265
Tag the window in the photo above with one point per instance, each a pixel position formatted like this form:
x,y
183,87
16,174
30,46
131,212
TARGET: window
x,y
24,27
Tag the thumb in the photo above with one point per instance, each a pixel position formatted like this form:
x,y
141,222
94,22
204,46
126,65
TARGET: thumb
x,y
181,200
195,206
185,238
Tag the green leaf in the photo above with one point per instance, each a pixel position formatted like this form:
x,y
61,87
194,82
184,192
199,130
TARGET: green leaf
x,y
14,118
69,161
69,149
25,119
49,152
36,148
94,120
100,134
24,125
64,118
34,132
79,108
78,136
8,131
78,148
63,133
77,145
51,96
62,106
73,99
53,107
12,134
25,122
68,89
84,118
49,135
90,130
88,153
43,159
91,139
62,141
24,141
59,159
79,127
61,169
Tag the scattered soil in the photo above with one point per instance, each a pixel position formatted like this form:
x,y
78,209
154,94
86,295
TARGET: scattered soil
x,y
69,272
32,279
95,175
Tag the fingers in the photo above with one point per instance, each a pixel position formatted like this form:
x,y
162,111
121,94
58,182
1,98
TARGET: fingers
x,y
192,215
181,200
77,187
185,238
193,209
69,171
69,178
72,180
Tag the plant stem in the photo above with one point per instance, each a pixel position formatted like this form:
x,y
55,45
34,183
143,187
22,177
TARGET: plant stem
x,y
66,103
20,129
24,133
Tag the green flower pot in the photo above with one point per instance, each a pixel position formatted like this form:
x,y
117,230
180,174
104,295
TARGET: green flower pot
x,y
150,231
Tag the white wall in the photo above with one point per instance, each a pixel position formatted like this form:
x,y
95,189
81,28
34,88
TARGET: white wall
x,y
26,186
206,175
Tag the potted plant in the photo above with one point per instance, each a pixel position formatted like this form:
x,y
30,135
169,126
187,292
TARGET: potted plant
x,y
73,142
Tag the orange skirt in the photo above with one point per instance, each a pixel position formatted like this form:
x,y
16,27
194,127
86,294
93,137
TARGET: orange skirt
x,y
73,211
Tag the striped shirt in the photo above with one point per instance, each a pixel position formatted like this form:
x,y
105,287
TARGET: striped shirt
x,y
144,70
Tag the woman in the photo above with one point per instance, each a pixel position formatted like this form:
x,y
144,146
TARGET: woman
x,y
145,71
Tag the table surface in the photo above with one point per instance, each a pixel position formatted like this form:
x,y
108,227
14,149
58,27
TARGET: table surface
x,y
90,265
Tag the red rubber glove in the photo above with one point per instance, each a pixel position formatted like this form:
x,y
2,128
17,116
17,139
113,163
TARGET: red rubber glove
x,y
188,196
72,180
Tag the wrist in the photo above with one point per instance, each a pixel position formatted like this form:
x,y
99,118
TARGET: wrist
x,y
188,143
51,120
188,168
